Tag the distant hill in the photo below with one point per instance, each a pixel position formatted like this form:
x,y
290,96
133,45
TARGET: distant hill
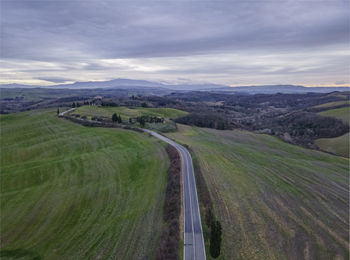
x,y
272,89
137,84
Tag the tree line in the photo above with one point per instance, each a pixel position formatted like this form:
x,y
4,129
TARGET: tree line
x,y
142,120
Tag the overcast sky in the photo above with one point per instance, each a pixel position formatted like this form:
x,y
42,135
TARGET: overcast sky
x,y
226,42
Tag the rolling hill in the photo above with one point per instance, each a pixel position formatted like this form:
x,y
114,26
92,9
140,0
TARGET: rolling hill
x,y
274,200
338,145
121,83
73,192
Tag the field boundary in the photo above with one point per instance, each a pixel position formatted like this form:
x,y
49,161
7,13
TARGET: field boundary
x,y
170,238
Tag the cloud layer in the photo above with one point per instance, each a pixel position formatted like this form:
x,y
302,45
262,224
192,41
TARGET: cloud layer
x,y
230,42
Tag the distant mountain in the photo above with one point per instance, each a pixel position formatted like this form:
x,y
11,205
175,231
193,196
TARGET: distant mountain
x,y
138,84
14,85
194,87
127,83
286,89
123,84
115,83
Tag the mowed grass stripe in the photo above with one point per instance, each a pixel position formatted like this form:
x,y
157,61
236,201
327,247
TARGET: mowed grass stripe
x,y
275,200
72,192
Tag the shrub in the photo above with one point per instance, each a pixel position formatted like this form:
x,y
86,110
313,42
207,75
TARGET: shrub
x,y
215,239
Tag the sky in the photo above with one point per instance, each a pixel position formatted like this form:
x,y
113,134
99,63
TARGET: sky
x,y
301,42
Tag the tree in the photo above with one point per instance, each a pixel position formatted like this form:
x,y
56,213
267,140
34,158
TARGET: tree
x,y
119,119
142,121
215,239
73,104
115,117
58,111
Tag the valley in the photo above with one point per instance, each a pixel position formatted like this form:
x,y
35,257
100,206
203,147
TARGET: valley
x,y
275,168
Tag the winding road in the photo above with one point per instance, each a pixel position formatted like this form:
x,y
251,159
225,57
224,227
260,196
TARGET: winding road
x,y
67,111
193,234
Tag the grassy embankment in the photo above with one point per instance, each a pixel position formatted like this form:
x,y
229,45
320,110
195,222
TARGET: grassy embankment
x,y
338,145
274,200
126,113
73,192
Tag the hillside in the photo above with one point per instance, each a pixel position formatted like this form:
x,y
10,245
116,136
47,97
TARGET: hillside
x,y
274,200
338,145
340,113
333,104
73,192
131,116
126,112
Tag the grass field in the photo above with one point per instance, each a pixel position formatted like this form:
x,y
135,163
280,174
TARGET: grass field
x,y
338,145
275,200
333,104
340,113
126,112
73,192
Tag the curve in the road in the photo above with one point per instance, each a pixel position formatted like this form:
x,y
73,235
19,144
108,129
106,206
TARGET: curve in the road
x,y
194,248
193,233
67,111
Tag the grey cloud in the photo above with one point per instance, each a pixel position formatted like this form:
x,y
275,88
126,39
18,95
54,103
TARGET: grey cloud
x,y
106,29
77,34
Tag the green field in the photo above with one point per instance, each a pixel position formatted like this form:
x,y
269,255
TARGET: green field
x,y
73,192
340,113
274,200
333,104
338,145
126,112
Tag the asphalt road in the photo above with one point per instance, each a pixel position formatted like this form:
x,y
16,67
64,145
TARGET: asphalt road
x,y
67,111
193,234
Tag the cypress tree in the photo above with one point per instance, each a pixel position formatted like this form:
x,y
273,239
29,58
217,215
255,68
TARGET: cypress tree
x,y
142,121
215,239
115,117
